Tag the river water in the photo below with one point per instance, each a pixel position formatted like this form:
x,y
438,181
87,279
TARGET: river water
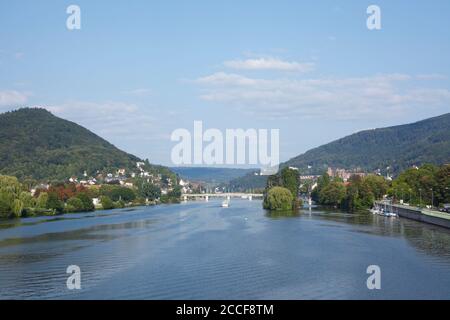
x,y
199,250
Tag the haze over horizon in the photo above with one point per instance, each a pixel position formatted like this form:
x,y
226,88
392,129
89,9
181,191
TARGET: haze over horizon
x,y
136,72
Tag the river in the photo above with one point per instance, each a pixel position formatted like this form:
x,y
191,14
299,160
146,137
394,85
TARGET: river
x,y
199,250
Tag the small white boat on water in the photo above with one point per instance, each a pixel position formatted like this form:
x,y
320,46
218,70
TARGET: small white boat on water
x,y
383,212
390,214
225,203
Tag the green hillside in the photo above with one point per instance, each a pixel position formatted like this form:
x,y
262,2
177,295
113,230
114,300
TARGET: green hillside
x,y
36,144
399,147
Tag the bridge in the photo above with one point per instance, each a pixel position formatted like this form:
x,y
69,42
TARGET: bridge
x,y
227,195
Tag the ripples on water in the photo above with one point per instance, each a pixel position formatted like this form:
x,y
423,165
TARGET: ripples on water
x,y
203,251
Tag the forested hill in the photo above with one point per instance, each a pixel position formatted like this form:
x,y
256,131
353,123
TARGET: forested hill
x,y
36,144
400,147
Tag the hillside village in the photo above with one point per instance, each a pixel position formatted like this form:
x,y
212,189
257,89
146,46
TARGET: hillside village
x,y
128,178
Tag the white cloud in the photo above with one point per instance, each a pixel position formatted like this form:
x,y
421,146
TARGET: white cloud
x,y
12,98
269,64
338,98
108,118
225,79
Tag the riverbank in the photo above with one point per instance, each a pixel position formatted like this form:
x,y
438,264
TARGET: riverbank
x,y
419,214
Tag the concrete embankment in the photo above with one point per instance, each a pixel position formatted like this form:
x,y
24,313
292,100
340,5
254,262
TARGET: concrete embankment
x,y
423,215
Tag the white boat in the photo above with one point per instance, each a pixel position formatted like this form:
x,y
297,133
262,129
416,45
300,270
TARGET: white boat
x,y
383,212
225,203
390,214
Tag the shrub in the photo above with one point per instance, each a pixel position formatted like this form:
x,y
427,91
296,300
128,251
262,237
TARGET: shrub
x,y
74,204
87,202
117,193
41,202
54,203
119,204
17,208
106,202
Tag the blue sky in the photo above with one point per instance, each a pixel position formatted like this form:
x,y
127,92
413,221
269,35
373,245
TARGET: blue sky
x,y
137,70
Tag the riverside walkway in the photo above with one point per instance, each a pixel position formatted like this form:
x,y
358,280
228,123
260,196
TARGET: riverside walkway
x,y
419,214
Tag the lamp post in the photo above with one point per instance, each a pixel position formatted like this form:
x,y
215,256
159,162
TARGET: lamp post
x,y
432,198
420,197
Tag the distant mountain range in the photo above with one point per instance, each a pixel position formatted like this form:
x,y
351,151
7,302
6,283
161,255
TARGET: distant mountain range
x,y
210,175
36,144
397,147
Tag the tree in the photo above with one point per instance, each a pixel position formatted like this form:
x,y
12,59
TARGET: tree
x,y
377,184
6,203
119,204
442,193
421,183
117,193
150,191
27,200
10,190
175,193
54,203
41,202
322,182
17,208
332,194
359,194
74,204
106,202
290,180
278,199
87,202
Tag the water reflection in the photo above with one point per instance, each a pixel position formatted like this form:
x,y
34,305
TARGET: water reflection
x,y
282,214
426,238
190,250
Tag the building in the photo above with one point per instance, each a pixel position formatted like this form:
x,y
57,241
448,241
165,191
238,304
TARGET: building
x,y
344,174
309,177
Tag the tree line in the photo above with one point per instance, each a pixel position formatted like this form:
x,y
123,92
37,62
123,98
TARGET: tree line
x,y
17,201
426,185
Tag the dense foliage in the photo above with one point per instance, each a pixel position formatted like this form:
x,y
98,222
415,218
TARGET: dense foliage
x,y
423,186
286,179
248,182
16,201
357,193
11,204
278,199
149,191
427,185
